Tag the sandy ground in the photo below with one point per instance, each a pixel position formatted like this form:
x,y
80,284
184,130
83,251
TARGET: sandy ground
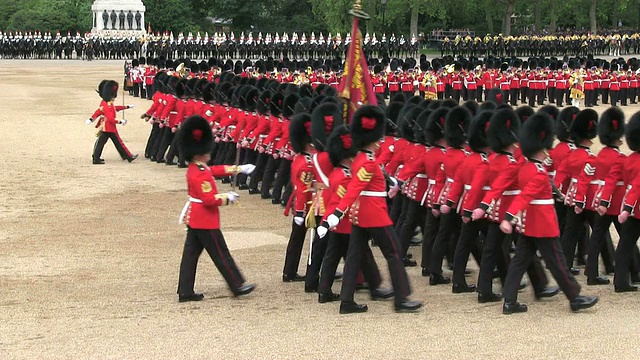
x,y
89,261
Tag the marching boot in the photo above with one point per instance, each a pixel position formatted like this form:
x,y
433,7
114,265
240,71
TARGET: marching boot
x,y
439,279
583,302
405,305
513,307
491,297
133,157
330,297
549,291
191,297
462,288
244,290
382,294
350,307
600,280
295,278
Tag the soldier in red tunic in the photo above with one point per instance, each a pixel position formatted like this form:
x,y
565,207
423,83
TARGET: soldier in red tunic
x,y
341,152
630,215
106,116
470,183
365,199
533,214
201,212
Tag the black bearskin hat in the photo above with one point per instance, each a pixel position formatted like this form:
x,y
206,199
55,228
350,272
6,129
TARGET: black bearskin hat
x,y
611,126
405,122
181,88
421,125
448,103
198,89
434,129
263,105
367,126
340,145
251,98
277,101
456,125
289,105
195,137
303,105
524,112
478,129
171,84
495,96
552,111
632,132
109,90
564,121
488,105
398,98
536,134
503,129
472,106
305,91
392,111
324,119
209,92
585,125
300,132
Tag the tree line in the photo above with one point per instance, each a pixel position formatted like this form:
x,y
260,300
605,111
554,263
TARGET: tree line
x,y
509,17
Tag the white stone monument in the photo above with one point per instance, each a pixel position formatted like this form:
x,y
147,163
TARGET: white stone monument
x,y
118,17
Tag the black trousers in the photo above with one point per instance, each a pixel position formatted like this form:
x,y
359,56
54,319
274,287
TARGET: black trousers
x,y
553,256
212,241
471,94
513,96
175,151
398,222
623,97
448,232
574,231
157,141
337,247
479,93
167,139
523,94
148,150
396,208
614,97
415,215
551,94
143,91
294,249
468,243
560,94
629,234
431,226
600,242
248,157
456,95
136,89
117,142
282,179
269,175
388,243
605,96
258,173
318,250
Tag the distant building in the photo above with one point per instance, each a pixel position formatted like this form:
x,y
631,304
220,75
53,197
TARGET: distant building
x,y
220,24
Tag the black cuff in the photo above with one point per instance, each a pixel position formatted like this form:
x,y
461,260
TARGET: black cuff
x,y
509,217
467,213
605,203
299,214
435,207
325,224
628,208
580,204
484,206
338,213
450,203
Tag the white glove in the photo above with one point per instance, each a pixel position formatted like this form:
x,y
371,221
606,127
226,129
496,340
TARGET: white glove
x,y
247,168
299,220
322,231
393,180
232,197
130,106
209,113
88,121
333,220
123,122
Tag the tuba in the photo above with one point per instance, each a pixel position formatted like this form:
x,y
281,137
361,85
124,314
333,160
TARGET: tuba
x,y
181,70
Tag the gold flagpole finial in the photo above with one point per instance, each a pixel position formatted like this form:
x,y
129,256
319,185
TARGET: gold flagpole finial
x,y
357,11
357,5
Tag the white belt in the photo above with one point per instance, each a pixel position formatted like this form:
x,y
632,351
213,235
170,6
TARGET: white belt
x,y
597,182
263,136
186,207
542,202
374,193
422,176
552,173
484,188
449,180
511,193
620,183
574,180
432,182
628,187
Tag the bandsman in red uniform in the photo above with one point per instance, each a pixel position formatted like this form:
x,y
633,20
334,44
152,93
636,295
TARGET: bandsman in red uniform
x,y
365,200
201,212
106,120
533,214
630,215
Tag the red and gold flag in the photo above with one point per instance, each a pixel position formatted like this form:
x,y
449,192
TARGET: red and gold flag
x,y
356,87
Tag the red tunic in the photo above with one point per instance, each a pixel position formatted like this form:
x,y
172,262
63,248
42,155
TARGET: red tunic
x,y
503,169
339,179
366,197
631,178
450,164
204,200
415,172
580,167
534,206
611,188
302,181
108,110
558,155
470,183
